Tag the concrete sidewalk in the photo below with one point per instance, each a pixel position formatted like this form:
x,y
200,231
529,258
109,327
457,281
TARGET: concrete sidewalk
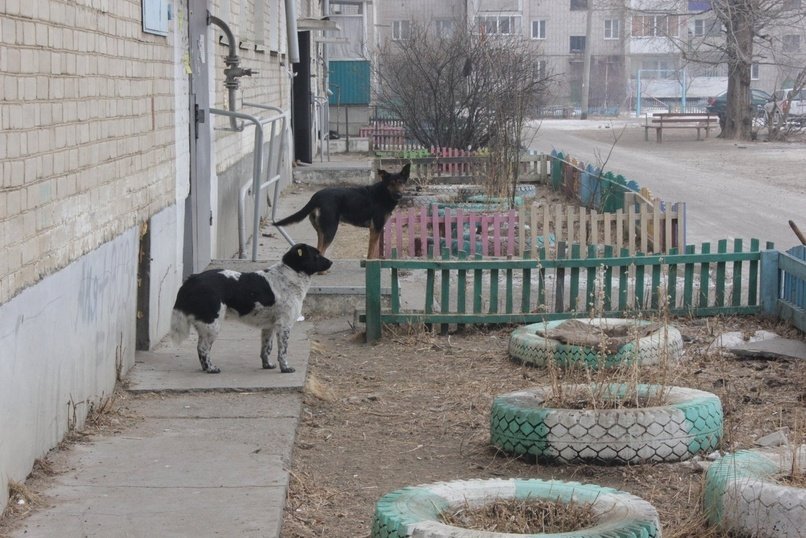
x,y
209,455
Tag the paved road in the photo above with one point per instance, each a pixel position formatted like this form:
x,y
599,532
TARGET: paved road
x,y
745,190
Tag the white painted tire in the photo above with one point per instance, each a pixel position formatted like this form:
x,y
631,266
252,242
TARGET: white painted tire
x,y
689,424
742,496
528,345
414,511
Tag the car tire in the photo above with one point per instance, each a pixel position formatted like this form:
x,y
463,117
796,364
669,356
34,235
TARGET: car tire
x,y
415,511
526,345
742,496
690,423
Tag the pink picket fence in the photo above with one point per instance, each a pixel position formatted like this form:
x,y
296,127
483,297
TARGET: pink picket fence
x,y
641,228
411,231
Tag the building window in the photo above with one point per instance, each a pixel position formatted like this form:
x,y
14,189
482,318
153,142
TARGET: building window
x,y
498,25
578,5
754,72
541,70
612,28
539,29
654,25
791,43
444,27
577,43
401,30
656,69
706,27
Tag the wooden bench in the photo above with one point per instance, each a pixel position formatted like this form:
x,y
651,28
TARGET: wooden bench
x,y
680,120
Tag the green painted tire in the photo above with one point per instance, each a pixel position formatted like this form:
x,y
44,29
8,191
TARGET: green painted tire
x,y
742,496
689,424
526,345
414,511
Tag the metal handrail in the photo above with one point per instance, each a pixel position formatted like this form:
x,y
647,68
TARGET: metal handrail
x,y
256,186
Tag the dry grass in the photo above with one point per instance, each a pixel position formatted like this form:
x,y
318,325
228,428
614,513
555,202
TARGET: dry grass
x,y
528,516
414,409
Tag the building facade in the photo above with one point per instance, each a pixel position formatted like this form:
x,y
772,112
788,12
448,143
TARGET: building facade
x,y
119,178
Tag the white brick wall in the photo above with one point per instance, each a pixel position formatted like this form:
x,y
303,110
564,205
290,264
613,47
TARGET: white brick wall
x,y
87,119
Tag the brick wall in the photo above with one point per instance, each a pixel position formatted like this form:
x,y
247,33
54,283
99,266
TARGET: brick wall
x,y
86,131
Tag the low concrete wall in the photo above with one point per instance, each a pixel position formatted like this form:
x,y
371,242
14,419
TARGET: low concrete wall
x,y
63,343
166,269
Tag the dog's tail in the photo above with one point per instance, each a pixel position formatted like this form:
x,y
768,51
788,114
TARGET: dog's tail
x,y
180,326
299,215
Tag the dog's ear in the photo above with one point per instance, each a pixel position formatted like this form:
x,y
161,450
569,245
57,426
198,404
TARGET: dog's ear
x,y
383,173
405,172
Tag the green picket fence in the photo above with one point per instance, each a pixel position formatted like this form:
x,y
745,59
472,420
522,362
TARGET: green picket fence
x,y
714,281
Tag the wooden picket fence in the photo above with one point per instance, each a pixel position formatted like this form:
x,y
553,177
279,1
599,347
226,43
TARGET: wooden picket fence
x,y
521,232
451,167
612,283
788,293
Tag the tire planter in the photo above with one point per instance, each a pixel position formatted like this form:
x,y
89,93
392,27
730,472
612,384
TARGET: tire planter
x,y
527,345
689,424
415,511
742,496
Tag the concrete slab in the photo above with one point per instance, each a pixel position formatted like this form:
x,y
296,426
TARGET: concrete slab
x,y
775,348
175,368
267,405
176,476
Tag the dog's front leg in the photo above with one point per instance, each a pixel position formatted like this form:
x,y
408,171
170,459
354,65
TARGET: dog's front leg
x,y
282,349
266,340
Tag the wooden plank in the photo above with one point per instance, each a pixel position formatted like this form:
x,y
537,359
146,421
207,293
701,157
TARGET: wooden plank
x,y
573,301
508,300
643,219
493,291
526,293
705,274
719,293
770,281
656,290
477,283
372,301
640,303
534,230
668,234
608,279
623,282
559,284
607,217
460,230
522,222
736,295
445,287
485,243
590,289
688,283
461,288
541,280
671,289
511,226
657,245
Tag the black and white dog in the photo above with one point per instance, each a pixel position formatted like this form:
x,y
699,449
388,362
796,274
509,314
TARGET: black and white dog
x,y
270,299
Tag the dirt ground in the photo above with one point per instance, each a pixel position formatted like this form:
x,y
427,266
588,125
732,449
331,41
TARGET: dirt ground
x,y
414,409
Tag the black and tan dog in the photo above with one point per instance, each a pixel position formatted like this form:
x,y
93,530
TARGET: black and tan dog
x,y
366,207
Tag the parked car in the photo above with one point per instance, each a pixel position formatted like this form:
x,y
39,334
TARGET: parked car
x,y
717,105
789,103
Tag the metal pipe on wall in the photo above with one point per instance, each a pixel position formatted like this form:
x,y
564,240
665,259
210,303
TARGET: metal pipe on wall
x,y
291,30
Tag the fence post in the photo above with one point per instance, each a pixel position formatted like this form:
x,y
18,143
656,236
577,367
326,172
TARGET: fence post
x,y
770,282
373,299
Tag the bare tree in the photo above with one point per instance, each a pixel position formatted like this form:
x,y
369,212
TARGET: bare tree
x,y
467,90
752,31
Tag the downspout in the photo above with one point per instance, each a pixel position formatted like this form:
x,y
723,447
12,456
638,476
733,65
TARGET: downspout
x,y
291,30
232,72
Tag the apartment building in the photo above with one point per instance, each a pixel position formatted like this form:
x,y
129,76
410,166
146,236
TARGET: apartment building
x,y
637,48
121,169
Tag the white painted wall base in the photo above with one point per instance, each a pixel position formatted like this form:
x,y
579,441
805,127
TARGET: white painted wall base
x,y
63,343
